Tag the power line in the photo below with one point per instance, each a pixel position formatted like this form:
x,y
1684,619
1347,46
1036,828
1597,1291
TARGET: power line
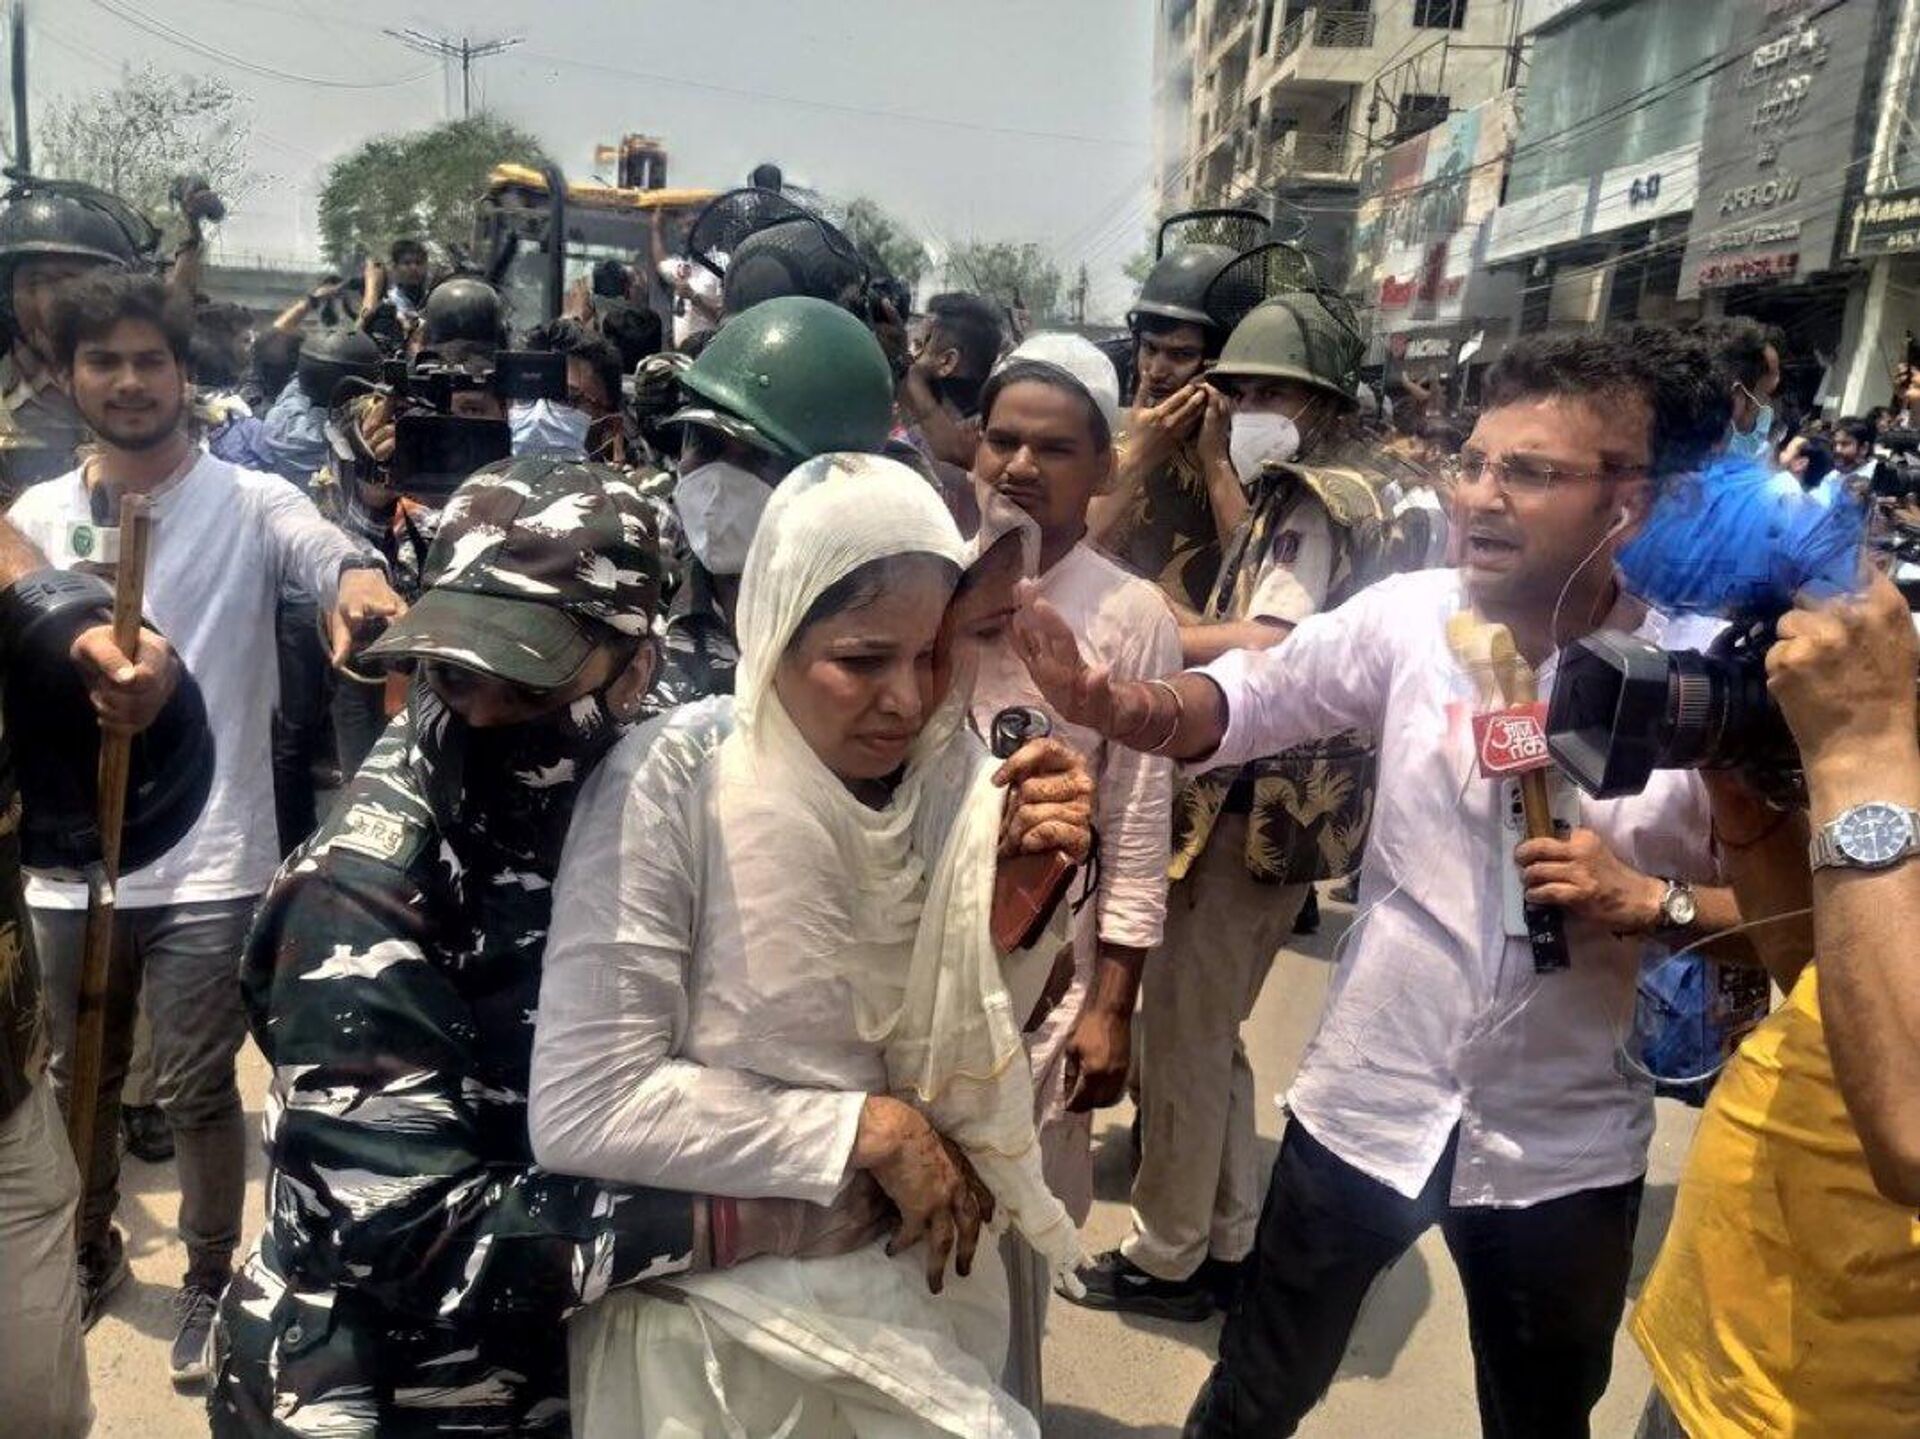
x,y
464,51
866,111
172,36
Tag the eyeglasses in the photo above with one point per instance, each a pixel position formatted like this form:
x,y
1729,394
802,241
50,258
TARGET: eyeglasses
x,y
1523,479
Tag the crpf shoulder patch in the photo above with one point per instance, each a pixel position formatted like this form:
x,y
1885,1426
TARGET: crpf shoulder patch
x,y
376,833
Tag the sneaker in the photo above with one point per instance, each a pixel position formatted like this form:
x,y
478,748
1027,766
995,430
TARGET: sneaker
x,y
190,1358
147,1132
1223,1278
1115,1282
103,1269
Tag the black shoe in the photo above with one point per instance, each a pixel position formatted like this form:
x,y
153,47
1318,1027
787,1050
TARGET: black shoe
x,y
190,1358
1223,1278
103,1269
1115,1282
147,1132
1308,920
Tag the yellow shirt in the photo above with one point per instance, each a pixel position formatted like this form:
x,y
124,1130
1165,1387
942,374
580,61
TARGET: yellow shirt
x,y
1786,1299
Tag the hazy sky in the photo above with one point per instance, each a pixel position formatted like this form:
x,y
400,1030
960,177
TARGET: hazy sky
x,y
1002,119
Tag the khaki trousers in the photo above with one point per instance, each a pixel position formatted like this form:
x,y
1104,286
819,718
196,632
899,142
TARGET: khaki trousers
x,y
43,1364
1197,1193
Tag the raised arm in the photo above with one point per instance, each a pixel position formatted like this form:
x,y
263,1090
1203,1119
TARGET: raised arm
x,y
1844,675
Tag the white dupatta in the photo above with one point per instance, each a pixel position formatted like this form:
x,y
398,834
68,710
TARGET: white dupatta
x,y
922,866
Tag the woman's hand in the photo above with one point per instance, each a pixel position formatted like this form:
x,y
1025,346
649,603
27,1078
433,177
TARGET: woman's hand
x,y
1050,801
939,1197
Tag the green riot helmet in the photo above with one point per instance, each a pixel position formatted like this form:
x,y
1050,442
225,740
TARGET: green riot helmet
x,y
1304,335
795,376
1176,287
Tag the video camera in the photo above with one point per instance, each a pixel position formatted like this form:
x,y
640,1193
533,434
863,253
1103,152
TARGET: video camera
x,y
1897,474
1726,543
435,448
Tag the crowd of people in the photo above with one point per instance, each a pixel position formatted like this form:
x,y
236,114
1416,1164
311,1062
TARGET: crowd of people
x,y
698,799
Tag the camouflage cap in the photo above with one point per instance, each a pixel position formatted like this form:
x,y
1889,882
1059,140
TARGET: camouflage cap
x,y
532,558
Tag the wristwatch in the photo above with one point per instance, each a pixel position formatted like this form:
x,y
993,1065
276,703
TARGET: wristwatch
x,y
1679,906
1875,835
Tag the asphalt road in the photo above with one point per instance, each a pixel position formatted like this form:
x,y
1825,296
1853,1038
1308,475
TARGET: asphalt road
x,y
1408,1372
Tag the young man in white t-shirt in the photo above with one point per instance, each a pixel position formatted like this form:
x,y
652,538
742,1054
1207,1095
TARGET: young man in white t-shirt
x,y
224,538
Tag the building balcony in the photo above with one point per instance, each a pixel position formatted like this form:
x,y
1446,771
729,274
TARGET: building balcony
x,y
1325,44
1229,24
1319,153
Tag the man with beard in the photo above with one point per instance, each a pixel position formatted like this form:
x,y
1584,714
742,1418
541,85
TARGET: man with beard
x,y
417,1265
46,241
1176,499
224,539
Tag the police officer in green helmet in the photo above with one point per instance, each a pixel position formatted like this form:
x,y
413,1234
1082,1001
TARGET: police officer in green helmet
x,y
788,379
1174,500
47,238
1316,529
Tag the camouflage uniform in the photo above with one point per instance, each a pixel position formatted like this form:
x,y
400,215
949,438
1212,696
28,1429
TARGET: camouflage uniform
x,y
1167,532
417,1265
1308,808
40,430
698,651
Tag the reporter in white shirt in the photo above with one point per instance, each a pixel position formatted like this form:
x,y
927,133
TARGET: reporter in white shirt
x,y
1448,1083
224,538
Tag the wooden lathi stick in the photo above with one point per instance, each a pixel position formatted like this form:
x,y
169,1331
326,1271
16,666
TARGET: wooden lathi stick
x,y
116,754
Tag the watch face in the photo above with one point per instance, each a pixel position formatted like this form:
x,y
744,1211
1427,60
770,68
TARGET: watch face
x,y
1871,835
1681,908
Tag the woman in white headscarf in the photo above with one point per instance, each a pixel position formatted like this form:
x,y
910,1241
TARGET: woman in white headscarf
x,y
771,967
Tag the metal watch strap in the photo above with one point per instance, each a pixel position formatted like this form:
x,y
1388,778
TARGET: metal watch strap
x,y
1824,853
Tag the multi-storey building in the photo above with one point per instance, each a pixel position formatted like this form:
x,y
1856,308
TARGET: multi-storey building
x,y
1279,104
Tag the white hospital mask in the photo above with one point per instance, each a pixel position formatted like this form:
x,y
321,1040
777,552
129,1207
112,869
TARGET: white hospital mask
x,y
548,427
719,505
1258,438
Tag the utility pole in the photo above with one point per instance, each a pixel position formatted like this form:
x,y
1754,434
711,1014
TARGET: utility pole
x,y
22,147
1080,297
462,50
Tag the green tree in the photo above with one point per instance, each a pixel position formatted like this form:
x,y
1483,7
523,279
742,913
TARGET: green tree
x,y
1006,272
136,137
422,184
1136,269
886,239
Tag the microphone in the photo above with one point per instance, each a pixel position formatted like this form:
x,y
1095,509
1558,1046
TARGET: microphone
x,y
1546,923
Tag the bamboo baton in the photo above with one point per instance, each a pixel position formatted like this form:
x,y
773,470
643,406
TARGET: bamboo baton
x,y
116,754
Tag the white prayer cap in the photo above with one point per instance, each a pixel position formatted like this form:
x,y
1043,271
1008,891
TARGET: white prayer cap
x,y
1082,362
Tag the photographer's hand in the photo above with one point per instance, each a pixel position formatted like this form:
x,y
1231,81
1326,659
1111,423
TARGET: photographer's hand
x,y
1843,674
378,430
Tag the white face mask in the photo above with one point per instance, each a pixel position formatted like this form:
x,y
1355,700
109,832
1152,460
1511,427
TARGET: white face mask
x,y
547,427
719,505
1258,438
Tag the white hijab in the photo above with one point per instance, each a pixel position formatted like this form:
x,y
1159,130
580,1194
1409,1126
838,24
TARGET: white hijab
x,y
921,964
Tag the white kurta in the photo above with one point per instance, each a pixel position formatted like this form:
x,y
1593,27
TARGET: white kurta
x,y
1123,622
696,1032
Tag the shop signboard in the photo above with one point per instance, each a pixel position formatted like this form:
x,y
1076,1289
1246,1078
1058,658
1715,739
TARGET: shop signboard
x,y
1778,150
1886,224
